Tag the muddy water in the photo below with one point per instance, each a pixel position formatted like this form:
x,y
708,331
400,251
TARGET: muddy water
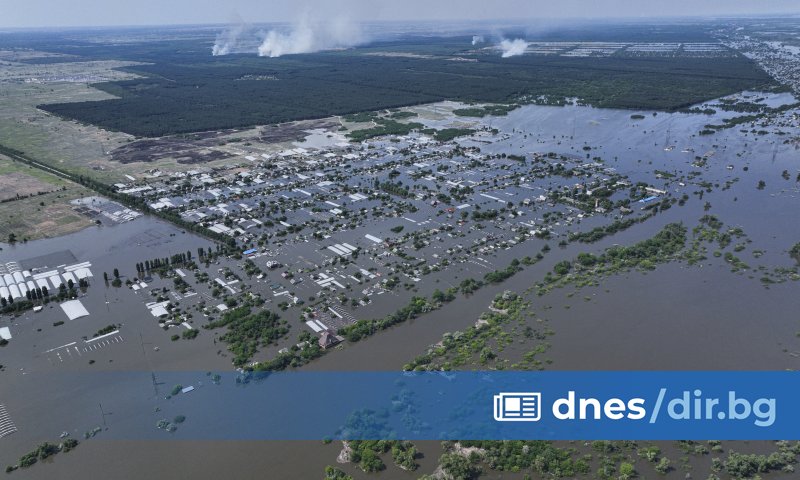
x,y
239,460
677,317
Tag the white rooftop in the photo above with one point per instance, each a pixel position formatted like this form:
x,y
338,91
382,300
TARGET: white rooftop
x,y
74,309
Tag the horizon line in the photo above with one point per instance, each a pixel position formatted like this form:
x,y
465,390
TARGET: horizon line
x,y
517,22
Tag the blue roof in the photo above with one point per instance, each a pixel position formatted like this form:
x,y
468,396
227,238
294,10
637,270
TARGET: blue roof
x,y
248,252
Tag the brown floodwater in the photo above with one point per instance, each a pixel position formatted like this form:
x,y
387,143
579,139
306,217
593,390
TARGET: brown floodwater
x,y
676,317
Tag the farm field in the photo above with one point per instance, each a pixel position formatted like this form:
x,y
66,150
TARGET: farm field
x,y
35,204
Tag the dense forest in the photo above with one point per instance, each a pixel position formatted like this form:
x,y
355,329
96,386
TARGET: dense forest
x,y
184,89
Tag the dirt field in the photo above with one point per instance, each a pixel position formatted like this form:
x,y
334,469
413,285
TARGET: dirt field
x,y
15,185
28,214
114,157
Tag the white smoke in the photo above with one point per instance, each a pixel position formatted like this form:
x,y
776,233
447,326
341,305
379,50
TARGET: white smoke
x,y
476,39
227,40
309,35
236,37
512,48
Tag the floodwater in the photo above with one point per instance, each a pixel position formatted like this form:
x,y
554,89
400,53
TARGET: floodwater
x,y
321,138
676,317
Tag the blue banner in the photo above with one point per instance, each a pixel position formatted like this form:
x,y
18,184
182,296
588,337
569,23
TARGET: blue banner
x,y
444,405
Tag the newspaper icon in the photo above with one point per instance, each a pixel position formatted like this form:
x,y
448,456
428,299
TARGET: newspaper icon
x,y
517,407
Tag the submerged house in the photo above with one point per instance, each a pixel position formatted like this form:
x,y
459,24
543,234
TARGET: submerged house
x,y
329,339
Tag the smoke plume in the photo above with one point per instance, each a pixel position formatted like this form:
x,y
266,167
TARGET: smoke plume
x,y
238,37
227,40
309,35
512,48
476,39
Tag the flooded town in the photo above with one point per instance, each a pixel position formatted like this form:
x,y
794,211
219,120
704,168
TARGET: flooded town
x,y
429,236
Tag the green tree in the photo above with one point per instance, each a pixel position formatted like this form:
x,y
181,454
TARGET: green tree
x,y
333,473
370,461
662,466
563,267
404,455
794,252
459,467
626,470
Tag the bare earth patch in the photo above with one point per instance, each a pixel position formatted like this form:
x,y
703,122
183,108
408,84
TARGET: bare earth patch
x,y
28,220
19,184
35,204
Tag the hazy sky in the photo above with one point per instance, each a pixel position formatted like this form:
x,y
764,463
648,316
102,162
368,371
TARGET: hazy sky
x,y
47,13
